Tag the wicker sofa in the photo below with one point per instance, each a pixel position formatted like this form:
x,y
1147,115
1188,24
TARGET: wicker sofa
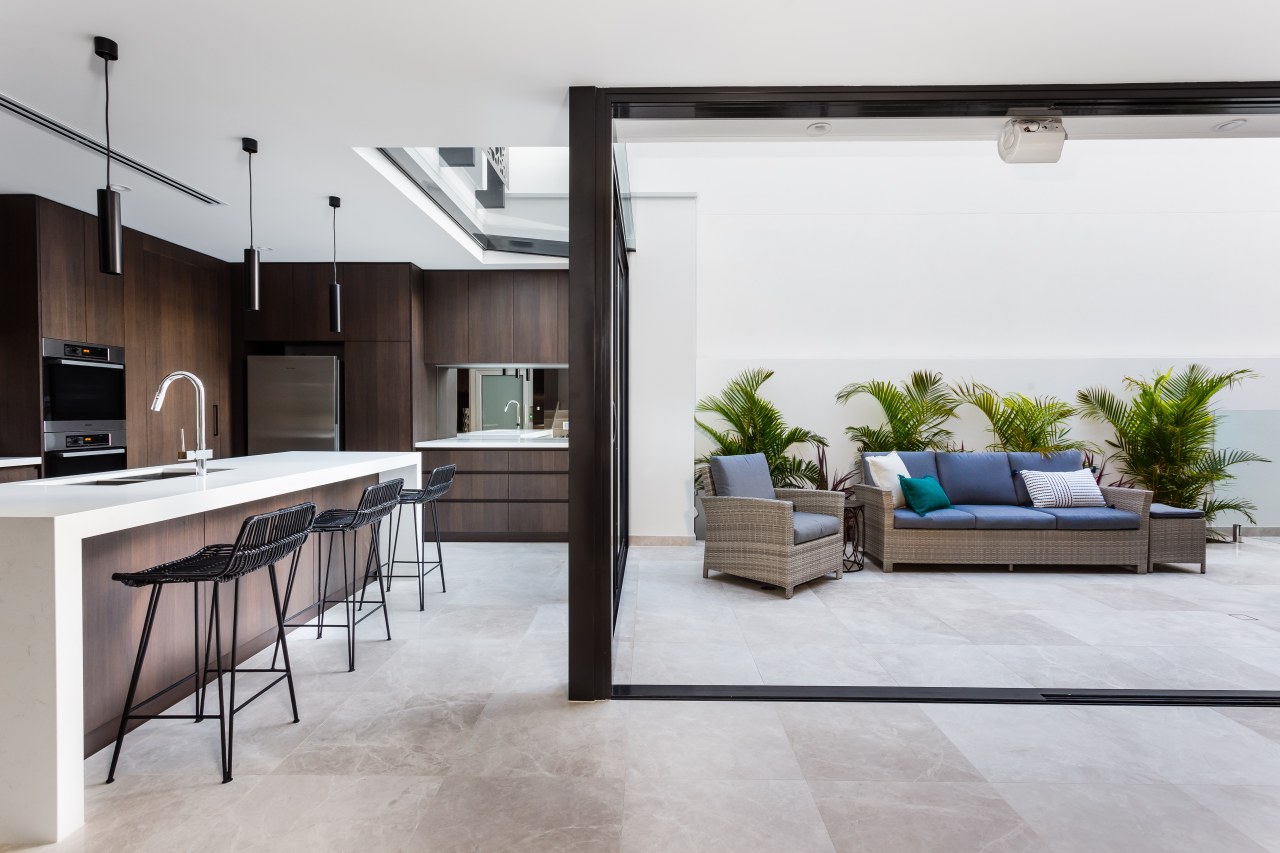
x,y
782,537
992,520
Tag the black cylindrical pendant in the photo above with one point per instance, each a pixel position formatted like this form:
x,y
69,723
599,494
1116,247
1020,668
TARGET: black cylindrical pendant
x,y
252,278
335,308
110,233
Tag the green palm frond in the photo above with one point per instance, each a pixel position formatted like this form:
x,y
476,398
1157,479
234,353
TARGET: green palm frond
x,y
1164,436
756,426
915,413
1019,423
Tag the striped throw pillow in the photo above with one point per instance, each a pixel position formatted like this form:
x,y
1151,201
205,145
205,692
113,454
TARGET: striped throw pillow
x,y
1063,489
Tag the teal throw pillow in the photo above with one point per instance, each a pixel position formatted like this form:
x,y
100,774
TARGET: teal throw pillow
x,y
924,494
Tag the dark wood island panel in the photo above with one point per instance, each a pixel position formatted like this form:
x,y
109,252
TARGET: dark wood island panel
x,y
113,613
503,495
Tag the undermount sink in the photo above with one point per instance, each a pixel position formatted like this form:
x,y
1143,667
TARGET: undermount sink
x,y
145,478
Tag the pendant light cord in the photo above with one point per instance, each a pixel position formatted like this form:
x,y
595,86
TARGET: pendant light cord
x,y
106,79
251,243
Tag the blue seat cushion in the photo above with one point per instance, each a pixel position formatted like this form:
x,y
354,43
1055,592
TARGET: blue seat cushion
x,y
939,519
1166,511
809,526
1061,462
1009,517
977,478
920,463
742,476
1093,518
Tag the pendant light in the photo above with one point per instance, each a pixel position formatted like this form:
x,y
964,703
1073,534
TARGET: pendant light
x,y
335,289
252,272
110,228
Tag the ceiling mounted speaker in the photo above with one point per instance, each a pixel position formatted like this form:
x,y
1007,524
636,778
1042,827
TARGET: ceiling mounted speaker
x,y
1030,140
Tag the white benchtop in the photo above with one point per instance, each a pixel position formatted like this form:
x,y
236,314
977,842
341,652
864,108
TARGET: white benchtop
x,y
43,527
18,461
99,509
499,439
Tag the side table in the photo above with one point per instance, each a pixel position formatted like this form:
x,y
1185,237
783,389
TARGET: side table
x,y
853,522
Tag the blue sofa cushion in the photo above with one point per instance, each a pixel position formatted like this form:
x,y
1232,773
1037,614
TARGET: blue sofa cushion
x,y
1093,518
1009,517
809,526
920,463
1166,511
742,476
939,519
977,478
1060,462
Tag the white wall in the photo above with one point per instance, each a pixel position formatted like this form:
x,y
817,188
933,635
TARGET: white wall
x,y
836,262
663,359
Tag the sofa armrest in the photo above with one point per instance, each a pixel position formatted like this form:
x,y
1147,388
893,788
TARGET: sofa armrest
x,y
809,500
878,501
749,520
1133,500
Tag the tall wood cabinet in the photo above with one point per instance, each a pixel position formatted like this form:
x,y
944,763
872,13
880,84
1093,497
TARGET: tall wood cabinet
x,y
169,311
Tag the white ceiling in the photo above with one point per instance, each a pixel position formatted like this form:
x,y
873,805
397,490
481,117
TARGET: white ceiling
x,y
315,80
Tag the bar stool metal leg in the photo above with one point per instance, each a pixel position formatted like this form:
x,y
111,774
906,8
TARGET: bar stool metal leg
x,y
435,526
147,623
235,636
280,639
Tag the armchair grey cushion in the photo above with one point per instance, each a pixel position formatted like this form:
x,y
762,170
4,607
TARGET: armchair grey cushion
x,y
809,526
920,463
1061,462
742,476
976,478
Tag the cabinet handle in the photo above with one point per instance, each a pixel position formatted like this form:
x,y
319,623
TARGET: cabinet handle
x,y
215,419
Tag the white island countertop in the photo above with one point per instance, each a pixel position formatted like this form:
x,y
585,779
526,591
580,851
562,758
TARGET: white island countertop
x,y
44,525
18,461
499,439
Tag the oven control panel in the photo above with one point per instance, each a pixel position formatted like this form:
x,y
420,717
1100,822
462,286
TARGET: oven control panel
x,y
88,439
80,351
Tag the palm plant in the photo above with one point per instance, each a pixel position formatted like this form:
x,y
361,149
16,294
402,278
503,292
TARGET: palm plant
x,y
756,426
1164,437
915,413
1019,423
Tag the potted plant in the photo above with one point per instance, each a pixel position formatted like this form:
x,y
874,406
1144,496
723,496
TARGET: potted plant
x,y
915,413
1164,437
1019,423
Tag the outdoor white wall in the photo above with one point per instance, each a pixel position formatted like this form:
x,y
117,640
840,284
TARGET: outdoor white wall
x,y
835,262
662,364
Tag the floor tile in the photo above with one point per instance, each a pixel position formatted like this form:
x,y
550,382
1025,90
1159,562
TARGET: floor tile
x,y
708,740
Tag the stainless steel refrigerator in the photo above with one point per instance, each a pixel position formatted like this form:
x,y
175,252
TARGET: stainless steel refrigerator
x,y
295,403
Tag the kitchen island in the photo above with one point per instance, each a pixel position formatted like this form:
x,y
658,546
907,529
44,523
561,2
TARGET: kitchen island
x,y
70,633
512,485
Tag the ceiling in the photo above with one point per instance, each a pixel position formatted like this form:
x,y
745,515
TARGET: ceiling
x,y
314,81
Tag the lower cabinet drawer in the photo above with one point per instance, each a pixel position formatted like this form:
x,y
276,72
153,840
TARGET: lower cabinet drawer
x,y
473,517
539,518
539,487
478,487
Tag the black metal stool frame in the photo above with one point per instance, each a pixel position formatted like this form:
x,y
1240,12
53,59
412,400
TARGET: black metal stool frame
x,y
438,482
376,503
263,541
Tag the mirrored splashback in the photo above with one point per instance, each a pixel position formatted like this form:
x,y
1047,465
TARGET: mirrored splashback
x,y
473,399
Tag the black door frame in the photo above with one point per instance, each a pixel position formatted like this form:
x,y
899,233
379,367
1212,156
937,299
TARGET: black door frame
x,y
591,260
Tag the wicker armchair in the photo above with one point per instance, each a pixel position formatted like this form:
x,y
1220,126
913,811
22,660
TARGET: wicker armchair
x,y
752,537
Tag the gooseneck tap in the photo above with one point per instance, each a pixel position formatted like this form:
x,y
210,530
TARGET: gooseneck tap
x,y
201,454
516,403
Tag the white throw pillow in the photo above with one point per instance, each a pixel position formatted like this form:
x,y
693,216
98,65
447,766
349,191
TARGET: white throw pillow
x,y
885,471
1063,489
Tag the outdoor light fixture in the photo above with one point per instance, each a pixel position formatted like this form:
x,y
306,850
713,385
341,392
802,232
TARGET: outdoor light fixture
x,y
252,272
818,128
110,228
1228,126
335,289
1030,140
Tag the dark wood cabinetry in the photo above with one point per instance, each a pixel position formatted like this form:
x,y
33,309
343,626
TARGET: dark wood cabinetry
x,y
497,317
504,495
19,473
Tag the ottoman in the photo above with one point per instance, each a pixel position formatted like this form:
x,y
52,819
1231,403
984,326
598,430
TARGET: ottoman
x,y
1177,536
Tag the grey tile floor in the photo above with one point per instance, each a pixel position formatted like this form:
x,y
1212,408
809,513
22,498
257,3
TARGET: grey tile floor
x,y
455,736
930,626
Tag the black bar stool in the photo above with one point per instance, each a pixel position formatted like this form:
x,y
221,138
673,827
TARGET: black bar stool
x,y
263,541
438,482
376,503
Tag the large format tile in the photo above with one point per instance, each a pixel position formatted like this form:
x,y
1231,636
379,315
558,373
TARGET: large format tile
x,y
1255,811
1097,818
693,663
522,735
703,816
872,743
1004,628
848,663
708,740
906,817
925,665
1070,667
